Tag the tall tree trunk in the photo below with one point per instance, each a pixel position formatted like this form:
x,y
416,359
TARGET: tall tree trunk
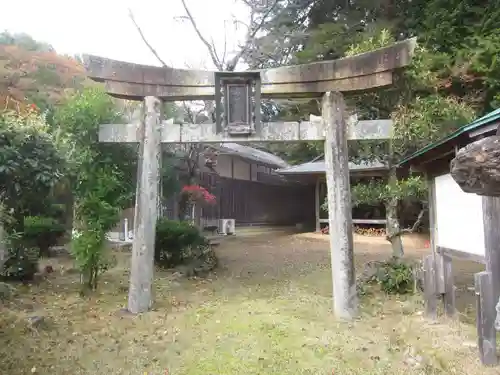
x,y
392,225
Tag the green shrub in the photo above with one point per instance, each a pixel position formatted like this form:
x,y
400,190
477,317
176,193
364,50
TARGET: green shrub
x,y
395,277
21,265
7,291
42,232
89,249
175,242
57,211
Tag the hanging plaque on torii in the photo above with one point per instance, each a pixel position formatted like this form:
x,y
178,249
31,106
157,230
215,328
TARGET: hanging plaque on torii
x,y
237,103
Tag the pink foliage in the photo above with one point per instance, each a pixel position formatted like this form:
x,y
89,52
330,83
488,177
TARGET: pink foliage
x,y
198,193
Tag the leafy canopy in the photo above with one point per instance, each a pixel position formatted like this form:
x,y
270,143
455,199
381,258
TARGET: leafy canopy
x,y
100,176
30,163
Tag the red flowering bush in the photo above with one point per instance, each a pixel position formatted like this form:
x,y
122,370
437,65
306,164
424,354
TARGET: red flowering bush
x,y
31,109
197,194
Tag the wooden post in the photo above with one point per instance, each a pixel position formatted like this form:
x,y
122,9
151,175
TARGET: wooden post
x,y
442,269
485,319
141,274
430,287
488,283
339,206
317,205
438,259
491,220
449,287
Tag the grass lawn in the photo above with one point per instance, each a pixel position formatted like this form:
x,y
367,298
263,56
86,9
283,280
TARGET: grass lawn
x,y
268,310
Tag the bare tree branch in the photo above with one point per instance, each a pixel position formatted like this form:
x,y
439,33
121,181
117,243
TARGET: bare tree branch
x,y
236,22
131,15
211,51
223,61
414,227
252,32
212,43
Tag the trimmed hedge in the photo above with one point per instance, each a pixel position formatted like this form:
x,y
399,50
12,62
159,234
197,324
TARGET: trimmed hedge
x,y
175,242
42,232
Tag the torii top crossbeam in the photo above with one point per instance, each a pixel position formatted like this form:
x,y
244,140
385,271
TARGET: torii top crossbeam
x,y
356,73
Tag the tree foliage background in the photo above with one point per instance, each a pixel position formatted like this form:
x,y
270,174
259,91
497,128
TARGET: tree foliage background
x,y
454,77
456,65
100,176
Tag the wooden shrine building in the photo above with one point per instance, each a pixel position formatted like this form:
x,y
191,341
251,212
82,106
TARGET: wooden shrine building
x,y
314,174
462,172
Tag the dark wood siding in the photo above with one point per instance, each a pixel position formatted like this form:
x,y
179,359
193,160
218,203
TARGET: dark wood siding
x,y
252,202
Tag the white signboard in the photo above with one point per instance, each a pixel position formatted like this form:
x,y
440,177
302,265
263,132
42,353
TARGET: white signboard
x,y
459,218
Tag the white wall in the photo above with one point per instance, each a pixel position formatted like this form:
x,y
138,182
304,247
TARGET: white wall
x,y
459,217
231,166
223,167
241,169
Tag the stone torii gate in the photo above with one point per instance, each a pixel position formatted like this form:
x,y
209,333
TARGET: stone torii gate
x,y
237,96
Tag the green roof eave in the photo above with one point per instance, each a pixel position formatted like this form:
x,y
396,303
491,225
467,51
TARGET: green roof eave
x,y
485,120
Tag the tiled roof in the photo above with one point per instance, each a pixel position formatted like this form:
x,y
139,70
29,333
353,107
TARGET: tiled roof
x,y
487,119
319,167
254,154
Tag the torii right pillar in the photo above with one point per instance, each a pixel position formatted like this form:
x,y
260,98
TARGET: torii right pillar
x,y
339,206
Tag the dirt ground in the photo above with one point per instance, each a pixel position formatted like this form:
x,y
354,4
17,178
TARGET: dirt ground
x,y
267,310
416,247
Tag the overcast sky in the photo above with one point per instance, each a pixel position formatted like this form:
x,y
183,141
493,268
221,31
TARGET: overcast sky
x,y
102,27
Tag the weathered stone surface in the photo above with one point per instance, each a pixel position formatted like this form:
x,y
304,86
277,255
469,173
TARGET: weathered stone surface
x,y
476,167
136,91
345,301
270,132
360,72
142,268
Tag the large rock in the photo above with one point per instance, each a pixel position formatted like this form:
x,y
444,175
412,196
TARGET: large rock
x,y
476,167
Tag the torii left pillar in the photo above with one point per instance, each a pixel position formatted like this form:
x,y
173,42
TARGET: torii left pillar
x,y
345,301
140,295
